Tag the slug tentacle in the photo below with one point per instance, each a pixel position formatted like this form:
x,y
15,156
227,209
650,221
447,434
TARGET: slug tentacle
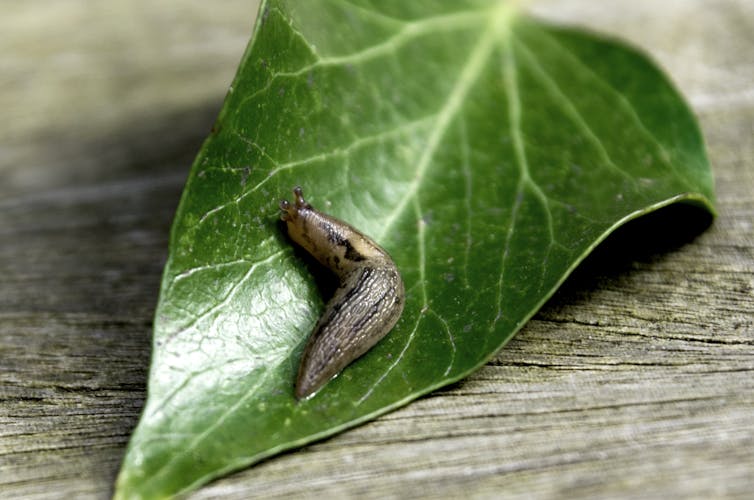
x,y
363,309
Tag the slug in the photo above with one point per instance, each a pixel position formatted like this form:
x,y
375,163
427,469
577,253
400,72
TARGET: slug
x,y
366,305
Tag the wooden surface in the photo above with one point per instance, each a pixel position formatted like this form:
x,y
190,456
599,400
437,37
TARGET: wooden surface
x,y
636,380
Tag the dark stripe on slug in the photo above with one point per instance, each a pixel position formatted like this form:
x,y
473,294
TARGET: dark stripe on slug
x,y
332,235
360,285
373,311
351,253
346,300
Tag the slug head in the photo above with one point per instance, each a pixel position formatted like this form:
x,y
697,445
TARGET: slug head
x,y
302,221
290,212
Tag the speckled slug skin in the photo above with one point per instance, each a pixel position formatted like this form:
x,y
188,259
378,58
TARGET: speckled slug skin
x,y
366,305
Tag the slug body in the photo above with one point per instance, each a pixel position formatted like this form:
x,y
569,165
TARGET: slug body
x,y
366,305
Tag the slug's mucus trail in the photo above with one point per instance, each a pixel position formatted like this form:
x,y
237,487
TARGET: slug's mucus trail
x,y
364,308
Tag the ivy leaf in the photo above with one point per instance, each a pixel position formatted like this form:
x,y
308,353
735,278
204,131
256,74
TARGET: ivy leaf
x,y
487,152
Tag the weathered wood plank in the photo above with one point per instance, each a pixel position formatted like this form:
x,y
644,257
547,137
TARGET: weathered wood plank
x,y
634,381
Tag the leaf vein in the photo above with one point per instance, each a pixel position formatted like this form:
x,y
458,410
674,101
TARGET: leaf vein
x,y
226,299
571,110
467,77
664,154
468,192
341,151
387,47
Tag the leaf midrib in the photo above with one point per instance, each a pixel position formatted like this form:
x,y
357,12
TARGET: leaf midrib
x,y
498,26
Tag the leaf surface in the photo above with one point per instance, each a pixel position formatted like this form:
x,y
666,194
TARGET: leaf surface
x,y
487,152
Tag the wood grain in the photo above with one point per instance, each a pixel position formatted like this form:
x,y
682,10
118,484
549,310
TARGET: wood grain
x,y
634,381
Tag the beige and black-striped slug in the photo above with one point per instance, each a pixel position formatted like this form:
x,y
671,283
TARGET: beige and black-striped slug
x,y
366,305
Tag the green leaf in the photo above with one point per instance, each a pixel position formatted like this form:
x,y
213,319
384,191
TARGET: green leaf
x,y
487,152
